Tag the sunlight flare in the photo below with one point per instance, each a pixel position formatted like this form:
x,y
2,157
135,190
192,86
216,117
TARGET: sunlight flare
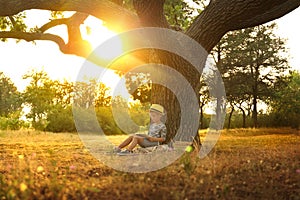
x,y
96,33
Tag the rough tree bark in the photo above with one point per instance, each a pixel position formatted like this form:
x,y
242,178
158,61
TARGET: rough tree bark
x,y
151,14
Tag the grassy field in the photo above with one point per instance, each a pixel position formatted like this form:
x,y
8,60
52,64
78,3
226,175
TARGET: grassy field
x,y
245,164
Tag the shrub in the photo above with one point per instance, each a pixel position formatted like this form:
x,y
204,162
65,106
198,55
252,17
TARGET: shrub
x,y
60,120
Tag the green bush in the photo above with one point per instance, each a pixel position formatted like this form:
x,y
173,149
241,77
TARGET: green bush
x,y
10,123
107,122
279,120
60,120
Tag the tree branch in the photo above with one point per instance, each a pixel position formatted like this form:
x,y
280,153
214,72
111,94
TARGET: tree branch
x,y
151,13
75,40
80,17
29,37
121,18
74,34
276,12
221,16
76,45
53,23
11,18
80,48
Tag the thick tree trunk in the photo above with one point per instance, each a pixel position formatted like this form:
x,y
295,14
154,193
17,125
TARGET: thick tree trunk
x,y
170,99
151,14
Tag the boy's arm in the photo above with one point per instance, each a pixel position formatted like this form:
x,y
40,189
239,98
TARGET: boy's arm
x,y
154,139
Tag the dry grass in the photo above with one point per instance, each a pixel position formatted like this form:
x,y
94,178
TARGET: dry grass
x,y
245,164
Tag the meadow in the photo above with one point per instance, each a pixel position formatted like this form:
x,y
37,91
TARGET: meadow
x,y
245,164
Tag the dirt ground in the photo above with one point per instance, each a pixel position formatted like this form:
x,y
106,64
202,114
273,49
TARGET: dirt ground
x,y
245,164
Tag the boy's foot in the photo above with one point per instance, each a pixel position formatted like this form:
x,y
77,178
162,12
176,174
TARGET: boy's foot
x,y
125,152
116,150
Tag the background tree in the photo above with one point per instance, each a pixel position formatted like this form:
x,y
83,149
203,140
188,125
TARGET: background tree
x,y
285,106
38,95
10,104
139,86
59,115
214,94
91,93
203,101
64,92
60,119
10,100
13,23
89,96
179,14
251,60
103,96
84,96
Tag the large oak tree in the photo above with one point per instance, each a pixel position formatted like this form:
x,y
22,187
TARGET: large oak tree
x,y
219,17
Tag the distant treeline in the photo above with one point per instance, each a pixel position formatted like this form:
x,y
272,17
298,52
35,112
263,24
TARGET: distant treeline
x,y
49,106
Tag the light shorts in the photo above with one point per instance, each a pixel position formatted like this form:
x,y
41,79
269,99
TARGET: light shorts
x,y
146,143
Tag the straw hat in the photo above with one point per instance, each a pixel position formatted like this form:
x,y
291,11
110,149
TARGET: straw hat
x,y
157,108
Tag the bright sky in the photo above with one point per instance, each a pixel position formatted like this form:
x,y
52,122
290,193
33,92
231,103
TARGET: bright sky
x,y
19,58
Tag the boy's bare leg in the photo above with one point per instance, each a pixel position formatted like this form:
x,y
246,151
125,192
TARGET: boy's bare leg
x,y
126,142
135,141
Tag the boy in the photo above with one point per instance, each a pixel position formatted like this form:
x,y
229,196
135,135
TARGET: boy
x,y
156,134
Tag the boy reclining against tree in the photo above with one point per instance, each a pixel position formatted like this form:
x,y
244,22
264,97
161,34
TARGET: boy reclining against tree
x,y
156,134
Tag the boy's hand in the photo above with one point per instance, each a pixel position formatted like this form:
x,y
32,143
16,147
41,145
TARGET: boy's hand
x,y
150,139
